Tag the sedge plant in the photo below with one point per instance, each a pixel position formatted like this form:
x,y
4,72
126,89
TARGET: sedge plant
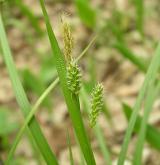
x,y
69,76
71,99
36,106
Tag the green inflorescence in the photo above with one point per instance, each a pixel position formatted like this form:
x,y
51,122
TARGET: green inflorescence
x,y
96,104
67,40
73,71
74,77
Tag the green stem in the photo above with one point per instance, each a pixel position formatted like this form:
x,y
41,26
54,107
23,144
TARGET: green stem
x,y
72,100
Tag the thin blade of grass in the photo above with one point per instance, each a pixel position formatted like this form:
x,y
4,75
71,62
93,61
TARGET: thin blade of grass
x,y
86,49
150,76
23,101
152,134
72,100
29,118
152,93
39,102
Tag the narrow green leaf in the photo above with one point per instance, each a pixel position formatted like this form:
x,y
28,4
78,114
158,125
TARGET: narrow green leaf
x,y
152,134
152,93
29,117
23,101
150,76
72,100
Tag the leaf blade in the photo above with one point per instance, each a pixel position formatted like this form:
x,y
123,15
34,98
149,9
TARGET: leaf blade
x,y
72,101
22,99
150,76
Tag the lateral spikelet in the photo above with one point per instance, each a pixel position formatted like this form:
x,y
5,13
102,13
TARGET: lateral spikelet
x,y
96,103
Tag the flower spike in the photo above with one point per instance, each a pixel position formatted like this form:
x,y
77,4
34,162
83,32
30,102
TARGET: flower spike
x,y
96,104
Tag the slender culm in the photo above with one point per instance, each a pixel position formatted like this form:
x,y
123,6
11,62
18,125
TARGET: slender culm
x,y
96,103
72,101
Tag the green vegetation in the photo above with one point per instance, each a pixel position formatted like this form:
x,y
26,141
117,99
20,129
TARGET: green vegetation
x,y
60,67
23,101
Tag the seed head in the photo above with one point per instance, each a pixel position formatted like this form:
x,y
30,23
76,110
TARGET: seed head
x,y
96,103
74,77
67,40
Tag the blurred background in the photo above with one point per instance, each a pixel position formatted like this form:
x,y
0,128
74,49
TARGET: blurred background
x,y
127,34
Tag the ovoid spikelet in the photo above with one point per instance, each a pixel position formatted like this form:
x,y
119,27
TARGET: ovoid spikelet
x,y
96,103
73,77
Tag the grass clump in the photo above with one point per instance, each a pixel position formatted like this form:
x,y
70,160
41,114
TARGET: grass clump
x,y
74,89
72,101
